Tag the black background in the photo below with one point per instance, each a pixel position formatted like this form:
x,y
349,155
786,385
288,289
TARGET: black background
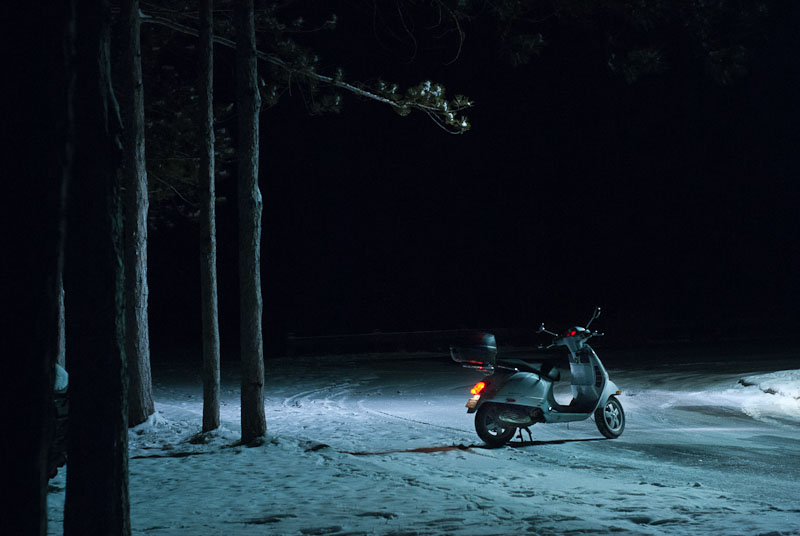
x,y
670,202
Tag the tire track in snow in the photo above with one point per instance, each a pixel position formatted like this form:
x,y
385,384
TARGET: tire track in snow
x,y
294,400
361,405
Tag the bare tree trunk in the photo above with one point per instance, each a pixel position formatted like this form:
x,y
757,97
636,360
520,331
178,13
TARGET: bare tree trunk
x,y
208,226
248,102
135,203
35,139
97,477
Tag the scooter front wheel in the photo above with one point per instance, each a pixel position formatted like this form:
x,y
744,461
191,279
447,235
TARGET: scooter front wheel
x,y
489,427
610,418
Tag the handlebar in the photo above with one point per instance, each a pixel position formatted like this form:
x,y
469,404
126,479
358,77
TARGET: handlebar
x,y
584,332
542,329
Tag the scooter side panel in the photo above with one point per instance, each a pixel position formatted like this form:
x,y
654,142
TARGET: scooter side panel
x,y
523,388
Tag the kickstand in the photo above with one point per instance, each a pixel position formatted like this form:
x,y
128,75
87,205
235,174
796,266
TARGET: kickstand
x,y
530,435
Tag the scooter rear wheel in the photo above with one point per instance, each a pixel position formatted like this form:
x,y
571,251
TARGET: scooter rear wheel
x,y
489,427
610,418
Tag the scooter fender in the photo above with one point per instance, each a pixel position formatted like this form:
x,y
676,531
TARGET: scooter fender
x,y
609,390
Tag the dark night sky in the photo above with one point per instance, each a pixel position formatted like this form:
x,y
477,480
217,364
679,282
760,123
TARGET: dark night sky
x,y
670,202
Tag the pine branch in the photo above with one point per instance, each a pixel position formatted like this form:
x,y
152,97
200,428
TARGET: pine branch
x,y
443,114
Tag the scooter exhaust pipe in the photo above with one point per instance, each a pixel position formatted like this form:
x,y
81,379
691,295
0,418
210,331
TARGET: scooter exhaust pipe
x,y
520,417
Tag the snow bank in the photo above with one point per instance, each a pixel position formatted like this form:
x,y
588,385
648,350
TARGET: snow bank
x,y
62,379
772,397
152,423
782,383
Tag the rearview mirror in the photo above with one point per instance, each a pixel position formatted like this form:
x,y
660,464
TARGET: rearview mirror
x,y
596,313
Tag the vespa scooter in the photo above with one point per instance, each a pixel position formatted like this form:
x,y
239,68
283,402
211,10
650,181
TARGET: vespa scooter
x,y
517,394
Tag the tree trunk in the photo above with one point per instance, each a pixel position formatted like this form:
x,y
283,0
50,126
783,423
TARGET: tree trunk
x,y
135,203
61,355
208,226
97,448
248,102
35,141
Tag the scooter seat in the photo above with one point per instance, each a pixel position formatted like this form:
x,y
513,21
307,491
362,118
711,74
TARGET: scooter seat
x,y
545,370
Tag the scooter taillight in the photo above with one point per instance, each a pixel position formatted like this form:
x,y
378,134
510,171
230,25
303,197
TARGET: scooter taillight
x,y
478,389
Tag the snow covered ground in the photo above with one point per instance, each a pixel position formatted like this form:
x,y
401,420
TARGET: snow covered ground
x,y
382,444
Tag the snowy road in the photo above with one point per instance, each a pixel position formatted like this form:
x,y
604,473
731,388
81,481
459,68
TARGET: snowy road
x,y
383,445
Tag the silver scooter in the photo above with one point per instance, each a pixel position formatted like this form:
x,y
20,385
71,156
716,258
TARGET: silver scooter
x,y
517,394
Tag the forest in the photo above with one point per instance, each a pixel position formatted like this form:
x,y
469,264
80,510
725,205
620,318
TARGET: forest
x,y
369,166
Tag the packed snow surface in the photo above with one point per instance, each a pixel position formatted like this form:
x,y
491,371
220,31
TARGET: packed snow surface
x,y
382,444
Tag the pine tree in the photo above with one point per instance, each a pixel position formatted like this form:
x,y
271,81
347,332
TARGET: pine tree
x,y
35,139
97,479
208,232
248,102
135,206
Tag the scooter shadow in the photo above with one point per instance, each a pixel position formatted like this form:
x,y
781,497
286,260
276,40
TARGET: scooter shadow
x,y
445,448
520,444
